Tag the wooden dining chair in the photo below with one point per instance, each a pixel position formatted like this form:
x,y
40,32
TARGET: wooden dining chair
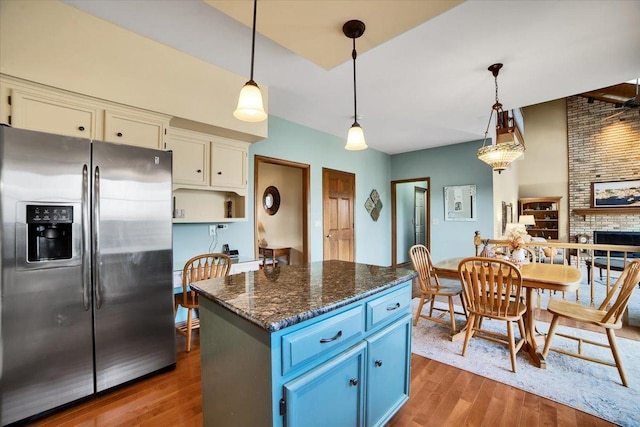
x,y
493,289
607,316
199,267
430,288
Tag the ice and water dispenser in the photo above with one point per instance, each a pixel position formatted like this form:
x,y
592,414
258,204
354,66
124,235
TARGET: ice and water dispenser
x,y
49,232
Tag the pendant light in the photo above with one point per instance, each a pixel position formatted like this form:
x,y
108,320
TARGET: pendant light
x,y
509,144
355,139
250,107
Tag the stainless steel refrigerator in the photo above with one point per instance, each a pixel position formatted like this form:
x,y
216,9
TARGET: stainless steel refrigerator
x,y
86,297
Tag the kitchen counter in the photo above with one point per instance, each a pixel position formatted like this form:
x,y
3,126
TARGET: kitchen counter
x,y
275,298
325,343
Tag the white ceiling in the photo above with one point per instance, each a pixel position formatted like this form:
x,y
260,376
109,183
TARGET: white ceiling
x,y
420,85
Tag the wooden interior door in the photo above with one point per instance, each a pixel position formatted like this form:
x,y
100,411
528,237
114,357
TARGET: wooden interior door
x,y
338,195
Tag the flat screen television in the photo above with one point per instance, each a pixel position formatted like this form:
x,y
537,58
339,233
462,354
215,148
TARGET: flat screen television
x,y
629,238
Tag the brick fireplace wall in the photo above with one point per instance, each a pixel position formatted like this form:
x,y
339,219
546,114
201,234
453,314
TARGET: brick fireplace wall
x,y
600,149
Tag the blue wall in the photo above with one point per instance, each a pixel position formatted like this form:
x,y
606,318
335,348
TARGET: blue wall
x,y
451,165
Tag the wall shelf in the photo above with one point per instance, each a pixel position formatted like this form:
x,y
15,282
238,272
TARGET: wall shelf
x,y
606,211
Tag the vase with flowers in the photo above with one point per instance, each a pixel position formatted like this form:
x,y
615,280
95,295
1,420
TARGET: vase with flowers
x,y
518,237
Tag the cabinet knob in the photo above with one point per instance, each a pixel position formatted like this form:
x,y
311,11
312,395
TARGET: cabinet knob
x,y
119,134
378,363
353,381
81,128
219,173
199,171
328,236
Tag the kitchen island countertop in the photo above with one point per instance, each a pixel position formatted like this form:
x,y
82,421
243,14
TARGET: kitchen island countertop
x,y
275,298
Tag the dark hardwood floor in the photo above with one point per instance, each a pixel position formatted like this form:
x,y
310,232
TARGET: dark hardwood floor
x,y
441,395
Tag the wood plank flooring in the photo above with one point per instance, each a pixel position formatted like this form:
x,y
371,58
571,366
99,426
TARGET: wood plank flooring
x,y
441,395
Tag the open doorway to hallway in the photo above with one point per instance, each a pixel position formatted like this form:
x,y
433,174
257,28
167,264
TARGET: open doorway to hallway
x,y
410,217
288,224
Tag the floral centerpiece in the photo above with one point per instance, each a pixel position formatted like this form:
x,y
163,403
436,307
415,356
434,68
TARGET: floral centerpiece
x,y
518,237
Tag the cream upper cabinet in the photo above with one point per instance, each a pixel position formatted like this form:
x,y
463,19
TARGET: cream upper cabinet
x,y
209,177
53,113
135,128
190,156
38,107
228,164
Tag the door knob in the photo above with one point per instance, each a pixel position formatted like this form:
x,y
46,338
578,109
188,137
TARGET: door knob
x,y
328,236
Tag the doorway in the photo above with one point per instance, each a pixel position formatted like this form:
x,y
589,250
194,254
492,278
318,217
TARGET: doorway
x,y
410,217
338,195
288,224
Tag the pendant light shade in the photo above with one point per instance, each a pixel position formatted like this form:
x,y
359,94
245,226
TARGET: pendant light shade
x,y
250,107
355,139
509,143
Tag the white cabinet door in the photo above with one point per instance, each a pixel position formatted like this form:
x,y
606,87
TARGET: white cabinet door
x,y
134,129
62,116
190,155
228,165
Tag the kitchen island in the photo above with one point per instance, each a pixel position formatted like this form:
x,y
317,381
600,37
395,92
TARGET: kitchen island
x,y
325,343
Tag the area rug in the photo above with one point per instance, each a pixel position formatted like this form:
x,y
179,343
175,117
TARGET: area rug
x,y
587,386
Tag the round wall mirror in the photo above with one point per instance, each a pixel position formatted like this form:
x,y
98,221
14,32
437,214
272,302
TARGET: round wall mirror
x,y
271,200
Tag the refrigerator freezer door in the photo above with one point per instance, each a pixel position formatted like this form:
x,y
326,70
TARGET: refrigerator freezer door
x,y
46,321
133,305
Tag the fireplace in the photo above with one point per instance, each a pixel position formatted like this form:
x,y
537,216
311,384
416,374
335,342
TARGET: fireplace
x,y
629,238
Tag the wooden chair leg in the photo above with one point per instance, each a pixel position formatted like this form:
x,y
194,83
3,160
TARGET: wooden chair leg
x,y
512,345
433,301
616,356
469,333
452,315
189,330
523,331
464,307
550,334
415,321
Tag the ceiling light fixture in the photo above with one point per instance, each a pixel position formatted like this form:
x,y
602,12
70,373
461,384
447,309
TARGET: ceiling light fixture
x,y
355,139
250,107
509,141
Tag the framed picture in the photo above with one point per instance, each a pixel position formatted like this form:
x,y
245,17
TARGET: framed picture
x,y
507,215
615,194
460,203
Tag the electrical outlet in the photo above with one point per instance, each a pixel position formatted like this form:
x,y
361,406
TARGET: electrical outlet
x,y
212,230
223,226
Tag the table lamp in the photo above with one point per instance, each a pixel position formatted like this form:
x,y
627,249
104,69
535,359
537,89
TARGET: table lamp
x,y
527,220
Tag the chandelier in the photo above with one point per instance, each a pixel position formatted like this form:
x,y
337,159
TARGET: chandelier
x,y
509,143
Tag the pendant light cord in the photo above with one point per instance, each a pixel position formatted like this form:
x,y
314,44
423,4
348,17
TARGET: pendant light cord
x,y
354,55
253,37
497,106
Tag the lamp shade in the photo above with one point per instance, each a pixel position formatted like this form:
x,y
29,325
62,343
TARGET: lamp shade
x,y
355,138
527,220
500,156
250,107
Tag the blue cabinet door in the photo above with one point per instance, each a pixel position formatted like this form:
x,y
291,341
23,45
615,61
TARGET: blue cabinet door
x,y
388,365
330,395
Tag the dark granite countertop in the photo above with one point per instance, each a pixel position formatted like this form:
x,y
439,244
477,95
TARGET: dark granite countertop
x,y
274,298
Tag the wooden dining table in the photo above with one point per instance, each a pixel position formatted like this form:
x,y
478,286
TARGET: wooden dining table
x,y
554,277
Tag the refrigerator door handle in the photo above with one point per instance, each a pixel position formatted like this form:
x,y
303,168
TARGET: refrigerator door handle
x,y
96,236
86,242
